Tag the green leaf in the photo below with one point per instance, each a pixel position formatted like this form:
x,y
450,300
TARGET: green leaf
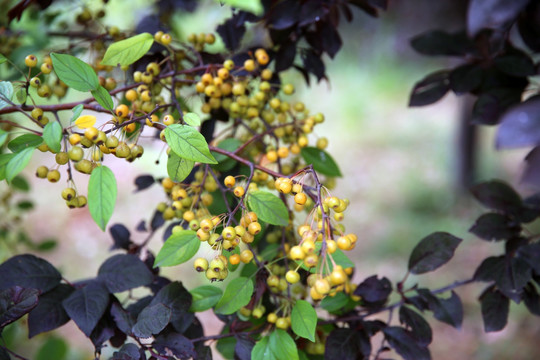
x,y
252,6
126,52
268,207
6,92
18,162
52,134
20,95
3,59
192,119
103,98
74,72
188,143
4,160
283,345
52,348
178,249
335,303
77,110
322,161
204,297
225,163
237,294
178,168
3,137
25,141
20,183
101,195
262,350
304,320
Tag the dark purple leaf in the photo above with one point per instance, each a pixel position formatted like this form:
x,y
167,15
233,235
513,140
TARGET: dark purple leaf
x,y
135,308
498,195
518,64
242,350
29,271
366,6
374,292
347,344
441,43
141,227
311,12
285,56
49,314
178,344
531,299
203,352
4,355
492,14
520,126
494,226
449,310
157,220
531,174
15,302
127,352
405,344
430,89
495,307
87,305
510,275
492,103
529,27
466,78
144,181
420,328
121,237
124,272
314,64
178,299
104,330
123,319
531,255
151,320
284,14
231,33
331,41
432,252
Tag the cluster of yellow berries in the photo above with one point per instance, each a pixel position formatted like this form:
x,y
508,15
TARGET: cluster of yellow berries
x,y
56,87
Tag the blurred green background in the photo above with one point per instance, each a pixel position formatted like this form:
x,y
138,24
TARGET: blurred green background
x,y
398,168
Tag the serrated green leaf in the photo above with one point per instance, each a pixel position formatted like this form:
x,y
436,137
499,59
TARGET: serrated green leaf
x,y
322,161
262,350
268,207
101,195
178,249
192,119
304,320
20,95
3,59
25,141
252,6
283,345
204,297
103,98
77,110
6,92
74,72
4,160
126,52
18,162
188,143
178,168
52,134
3,137
237,294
